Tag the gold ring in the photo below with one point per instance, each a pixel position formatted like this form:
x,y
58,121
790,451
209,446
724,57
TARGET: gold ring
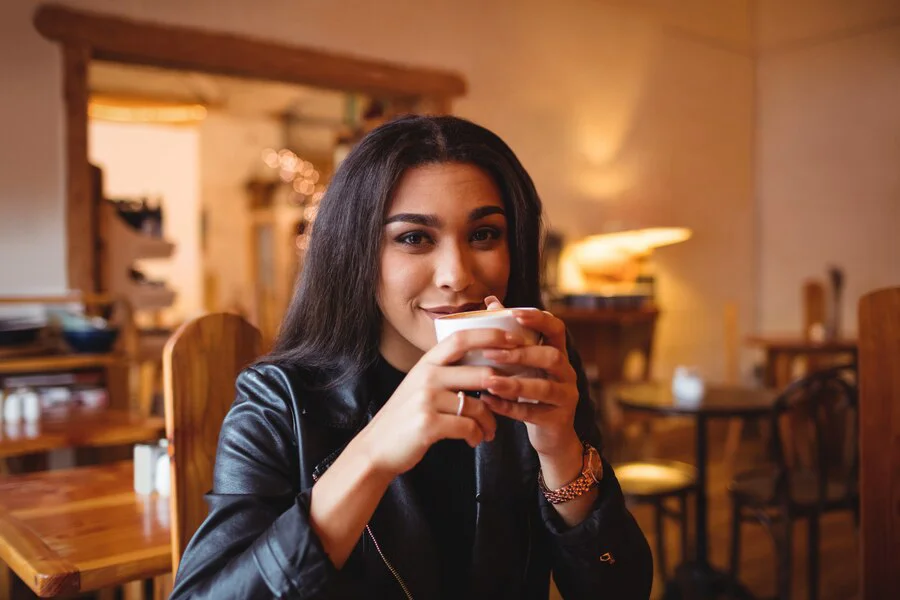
x,y
462,403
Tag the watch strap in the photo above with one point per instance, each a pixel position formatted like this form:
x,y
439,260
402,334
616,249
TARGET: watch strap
x,y
582,484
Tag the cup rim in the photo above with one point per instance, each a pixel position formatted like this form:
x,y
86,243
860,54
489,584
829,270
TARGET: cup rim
x,y
484,313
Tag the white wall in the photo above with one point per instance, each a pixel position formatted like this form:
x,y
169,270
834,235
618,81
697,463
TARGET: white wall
x,y
230,154
829,152
32,226
619,110
152,161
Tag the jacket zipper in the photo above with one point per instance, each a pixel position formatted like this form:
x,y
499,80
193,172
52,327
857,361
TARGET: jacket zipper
x,y
389,565
527,553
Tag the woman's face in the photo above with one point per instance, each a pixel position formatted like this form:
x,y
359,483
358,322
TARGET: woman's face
x,y
444,250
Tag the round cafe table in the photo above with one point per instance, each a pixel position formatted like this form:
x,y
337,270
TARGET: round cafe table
x,y
698,578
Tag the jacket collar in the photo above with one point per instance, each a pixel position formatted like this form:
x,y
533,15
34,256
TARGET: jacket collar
x,y
343,406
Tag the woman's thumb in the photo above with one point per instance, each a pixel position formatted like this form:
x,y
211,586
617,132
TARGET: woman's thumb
x,y
493,303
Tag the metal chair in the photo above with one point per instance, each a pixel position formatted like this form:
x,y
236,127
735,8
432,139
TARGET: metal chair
x,y
822,411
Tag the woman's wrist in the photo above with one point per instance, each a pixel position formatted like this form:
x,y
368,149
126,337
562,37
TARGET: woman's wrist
x,y
365,458
563,465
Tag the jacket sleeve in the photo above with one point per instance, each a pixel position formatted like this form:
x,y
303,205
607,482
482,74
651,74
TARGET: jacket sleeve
x,y
257,541
606,555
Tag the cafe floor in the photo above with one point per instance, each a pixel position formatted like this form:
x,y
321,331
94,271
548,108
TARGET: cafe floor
x,y
839,548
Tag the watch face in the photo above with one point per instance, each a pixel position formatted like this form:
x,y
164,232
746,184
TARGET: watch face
x,y
594,465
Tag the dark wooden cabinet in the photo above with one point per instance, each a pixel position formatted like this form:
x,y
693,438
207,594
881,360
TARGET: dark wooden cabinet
x,y
605,338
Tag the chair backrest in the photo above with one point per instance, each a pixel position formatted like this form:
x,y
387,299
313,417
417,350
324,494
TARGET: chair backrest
x,y
879,389
201,362
820,412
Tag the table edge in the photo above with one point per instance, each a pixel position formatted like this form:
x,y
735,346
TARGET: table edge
x,y
42,584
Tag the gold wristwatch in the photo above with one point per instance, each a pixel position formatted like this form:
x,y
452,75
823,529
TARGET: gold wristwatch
x,y
591,475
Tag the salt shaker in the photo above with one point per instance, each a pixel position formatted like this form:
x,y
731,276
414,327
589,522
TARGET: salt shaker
x,y
144,466
163,482
12,408
31,406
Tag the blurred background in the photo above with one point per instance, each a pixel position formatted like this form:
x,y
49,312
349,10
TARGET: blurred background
x,y
721,178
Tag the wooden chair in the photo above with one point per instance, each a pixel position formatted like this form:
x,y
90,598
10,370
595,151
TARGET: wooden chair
x,y
823,409
879,381
200,364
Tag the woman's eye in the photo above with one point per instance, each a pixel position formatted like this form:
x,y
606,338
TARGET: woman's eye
x,y
486,234
413,238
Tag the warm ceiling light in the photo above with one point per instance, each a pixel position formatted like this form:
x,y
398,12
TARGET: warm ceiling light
x,y
604,247
127,110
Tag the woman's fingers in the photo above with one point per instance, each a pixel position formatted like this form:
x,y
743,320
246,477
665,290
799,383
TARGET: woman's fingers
x,y
547,358
456,428
461,377
473,409
493,303
552,329
519,411
455,347
544,391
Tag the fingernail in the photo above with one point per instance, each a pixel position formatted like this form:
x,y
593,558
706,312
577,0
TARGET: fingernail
x,y
514,338
496,354
490,300
495,383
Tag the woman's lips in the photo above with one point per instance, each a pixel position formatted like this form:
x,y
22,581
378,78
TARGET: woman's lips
x,y
441,311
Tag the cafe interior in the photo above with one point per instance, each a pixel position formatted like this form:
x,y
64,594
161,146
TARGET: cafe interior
x,y
721,186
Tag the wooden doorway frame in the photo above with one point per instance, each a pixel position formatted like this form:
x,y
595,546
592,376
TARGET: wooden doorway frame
x,y
85,36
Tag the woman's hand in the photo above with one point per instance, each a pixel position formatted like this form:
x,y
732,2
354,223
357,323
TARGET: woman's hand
x,y
423,408
551,423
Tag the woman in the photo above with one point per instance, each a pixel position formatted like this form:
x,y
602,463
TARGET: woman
x,y
351,465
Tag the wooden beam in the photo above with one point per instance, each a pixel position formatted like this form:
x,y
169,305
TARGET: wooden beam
x,y
123,40
80,223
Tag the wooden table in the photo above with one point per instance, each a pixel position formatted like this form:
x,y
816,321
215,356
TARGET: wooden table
x,y
76,530
78,428
782,350
699,579
59,362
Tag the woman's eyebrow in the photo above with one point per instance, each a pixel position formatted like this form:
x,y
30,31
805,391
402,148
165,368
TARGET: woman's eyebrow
x,y
484,211
435,222
432,221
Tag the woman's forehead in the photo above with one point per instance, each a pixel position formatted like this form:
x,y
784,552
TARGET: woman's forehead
x,y
431,189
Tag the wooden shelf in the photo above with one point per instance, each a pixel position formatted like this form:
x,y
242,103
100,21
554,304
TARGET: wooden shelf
x,y
149,298
150,247
123,245
60,362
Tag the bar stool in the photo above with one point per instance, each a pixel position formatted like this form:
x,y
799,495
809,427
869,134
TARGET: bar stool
x,y
653,482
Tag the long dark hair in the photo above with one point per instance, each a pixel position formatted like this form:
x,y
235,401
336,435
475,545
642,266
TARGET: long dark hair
x,y
333,321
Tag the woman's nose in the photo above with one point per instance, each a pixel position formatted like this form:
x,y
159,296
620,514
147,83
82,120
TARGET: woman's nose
x,y
453,270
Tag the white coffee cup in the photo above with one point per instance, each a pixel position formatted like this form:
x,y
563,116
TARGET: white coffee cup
x,y
489,319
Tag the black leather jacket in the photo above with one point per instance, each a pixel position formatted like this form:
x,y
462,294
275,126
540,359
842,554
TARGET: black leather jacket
x,y
280,436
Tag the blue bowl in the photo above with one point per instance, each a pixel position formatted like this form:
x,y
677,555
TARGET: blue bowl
x,y
91,341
